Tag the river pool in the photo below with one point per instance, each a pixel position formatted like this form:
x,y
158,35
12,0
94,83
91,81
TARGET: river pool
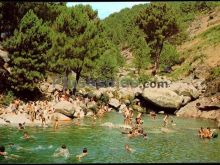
x,y
106,145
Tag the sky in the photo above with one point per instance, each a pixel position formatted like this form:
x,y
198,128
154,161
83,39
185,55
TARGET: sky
x,y
106,8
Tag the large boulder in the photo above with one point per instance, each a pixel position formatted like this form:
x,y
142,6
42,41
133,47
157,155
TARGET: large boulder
x,y
184,89
126,93
50,89
14,119
65,107
196,109
44,86
58,87
189,110
163,97
60,117
4,55
114,103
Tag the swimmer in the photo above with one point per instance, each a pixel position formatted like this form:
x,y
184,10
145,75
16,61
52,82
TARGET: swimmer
x,y
172,122
78,119
63,151
20,126
26,135
85,152
56,124
4,154
2,151
127,148
144,135
130,134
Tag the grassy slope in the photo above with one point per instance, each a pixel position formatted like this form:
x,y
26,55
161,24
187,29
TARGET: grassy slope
x,y
202,48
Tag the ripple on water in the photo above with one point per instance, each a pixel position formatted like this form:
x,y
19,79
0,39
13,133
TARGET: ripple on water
x,y
106,145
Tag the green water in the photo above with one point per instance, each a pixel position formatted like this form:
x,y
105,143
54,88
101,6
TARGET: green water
x,y
106,145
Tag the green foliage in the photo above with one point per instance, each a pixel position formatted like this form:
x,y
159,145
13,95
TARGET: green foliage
x,y
143,78
212,35
106,66
169,56
74,39
104,98
159,23
179,73
120,27
7,99
11,13
141,55
27,49
215,72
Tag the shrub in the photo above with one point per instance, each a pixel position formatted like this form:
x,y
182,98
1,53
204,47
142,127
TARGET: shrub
x,y
9,97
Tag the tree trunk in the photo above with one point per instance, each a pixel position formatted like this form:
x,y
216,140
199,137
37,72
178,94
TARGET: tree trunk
x,y
65,81
76,83
157,60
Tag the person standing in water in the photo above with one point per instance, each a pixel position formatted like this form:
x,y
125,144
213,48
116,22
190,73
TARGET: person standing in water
x,y
165,120
56,123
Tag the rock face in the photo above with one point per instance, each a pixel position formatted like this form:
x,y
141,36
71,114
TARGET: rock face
x,y
163,97
44,86
184,89
19,118
193,110
114,103
65,108
4,55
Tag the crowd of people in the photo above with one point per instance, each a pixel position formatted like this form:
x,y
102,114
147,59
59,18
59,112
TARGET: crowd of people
x,y
207,133
43,110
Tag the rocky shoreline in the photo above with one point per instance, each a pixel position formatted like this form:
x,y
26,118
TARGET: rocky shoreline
x,y
180,98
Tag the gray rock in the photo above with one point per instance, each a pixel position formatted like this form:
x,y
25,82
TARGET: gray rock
x,y
163,97
50,89
44,86
90,113
58,87
184,89
65,108
114,103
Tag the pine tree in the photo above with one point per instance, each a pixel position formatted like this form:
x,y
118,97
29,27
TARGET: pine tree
x,y
27,51
159,23
74,41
